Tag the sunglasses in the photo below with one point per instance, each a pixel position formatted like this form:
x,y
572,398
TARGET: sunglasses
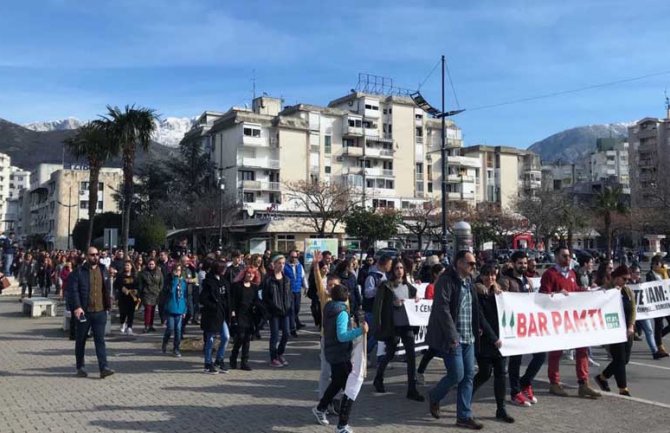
x,y
472,264
94,254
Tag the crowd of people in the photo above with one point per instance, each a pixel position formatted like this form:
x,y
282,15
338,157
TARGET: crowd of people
x,y
236,296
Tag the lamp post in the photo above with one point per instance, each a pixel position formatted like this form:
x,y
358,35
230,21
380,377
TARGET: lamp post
x,y
421,102
69,207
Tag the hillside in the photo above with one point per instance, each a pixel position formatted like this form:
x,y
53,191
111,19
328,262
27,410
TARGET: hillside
x,y
575,144
28,148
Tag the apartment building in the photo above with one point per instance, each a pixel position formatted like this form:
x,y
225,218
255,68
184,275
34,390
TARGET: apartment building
x,y
57,199
649,157
382,145
507,174
12,180
610,162
558,176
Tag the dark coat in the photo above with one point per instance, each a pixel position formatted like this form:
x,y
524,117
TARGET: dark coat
x,y
214,304
489,322
242,302
348,279
79,287
383,325
442,333
277,296
150,285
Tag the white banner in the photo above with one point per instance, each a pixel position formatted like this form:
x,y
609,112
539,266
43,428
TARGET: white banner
x,y
652,299
538,322
358,368
418,313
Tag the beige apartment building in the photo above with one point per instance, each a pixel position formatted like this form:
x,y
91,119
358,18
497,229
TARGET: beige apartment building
x,y
57,199
384,146
507,173
649,157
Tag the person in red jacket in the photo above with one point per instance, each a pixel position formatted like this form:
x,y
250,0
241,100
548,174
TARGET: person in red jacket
x,y
562,279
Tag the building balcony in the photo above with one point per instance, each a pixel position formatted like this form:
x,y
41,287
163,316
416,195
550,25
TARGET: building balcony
x,y
436,143
250,141
259,205
457,178
463,161
532,184
352,170
266,163
257,185
372,132
372,114
378,172
418,176
460,196
376,152
418,139
352,151
418,122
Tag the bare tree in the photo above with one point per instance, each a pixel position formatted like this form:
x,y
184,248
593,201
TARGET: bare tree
x,y
422,220
543,212
326,203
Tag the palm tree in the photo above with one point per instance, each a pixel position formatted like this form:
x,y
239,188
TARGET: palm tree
x,y
94,143
609,202
131,128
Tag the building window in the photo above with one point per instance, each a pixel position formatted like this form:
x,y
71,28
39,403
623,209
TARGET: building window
x,y
249,197
247,175
370,183
327,169
100,205
430,186
83,204
285,243
355,123
252,132
275,198
389,184
327,144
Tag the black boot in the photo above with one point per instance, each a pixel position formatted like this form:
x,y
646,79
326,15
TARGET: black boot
x,y
413,394
233,362
502,415
345,410
379,385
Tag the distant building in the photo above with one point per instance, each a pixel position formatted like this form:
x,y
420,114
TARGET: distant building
x,y
610,163
57,199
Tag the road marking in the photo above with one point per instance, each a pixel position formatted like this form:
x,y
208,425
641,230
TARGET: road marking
x,y
649,365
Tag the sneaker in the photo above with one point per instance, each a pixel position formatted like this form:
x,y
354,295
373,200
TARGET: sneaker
x,y
81,373
344,429
659,355
602,383
557,389
469,423
520,400
123,328
245,367
276,363
106,372
528,393
414,395
593,362
624,392
433,407
420,380
177,354
221,365
585,391
283,360
320,416
210,369
146,330
129,331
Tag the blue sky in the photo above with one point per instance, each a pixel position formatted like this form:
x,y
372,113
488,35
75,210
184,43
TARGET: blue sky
x,y
62,58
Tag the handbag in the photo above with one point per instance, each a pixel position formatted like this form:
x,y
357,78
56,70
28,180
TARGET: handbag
x,y
5,283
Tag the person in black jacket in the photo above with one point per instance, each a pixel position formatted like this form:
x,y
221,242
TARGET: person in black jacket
x,y
243,296
125,291
278,301
345,270
489,358
391,325
214,299
453,331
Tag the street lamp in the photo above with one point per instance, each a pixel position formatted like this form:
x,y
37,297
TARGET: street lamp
x,y
421,102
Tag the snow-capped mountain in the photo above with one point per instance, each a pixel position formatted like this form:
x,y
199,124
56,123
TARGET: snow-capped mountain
x,y
169,130
55,125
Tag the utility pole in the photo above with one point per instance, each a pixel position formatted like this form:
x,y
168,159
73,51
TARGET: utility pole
x,y
69,207
443,159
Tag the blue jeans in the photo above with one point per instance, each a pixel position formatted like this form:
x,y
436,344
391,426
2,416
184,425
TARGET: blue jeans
x,y
295,311
648,329
173,324
277,322
95,322
9,259
209,337
460,365
514,370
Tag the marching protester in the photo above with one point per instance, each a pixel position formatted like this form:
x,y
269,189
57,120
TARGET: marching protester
x,y
89,298
233,269
278,302
243,297
435,272
489,358
377,274
620,351
165,266
453,332
391,325
214,315
345,270
560,279
188,272
150,284
658,272
531,272
28,275
646,326
338,335
295,274
175,310
521,388
126,290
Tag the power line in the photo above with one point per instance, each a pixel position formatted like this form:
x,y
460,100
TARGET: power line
x,y
429,74
451,82
566,92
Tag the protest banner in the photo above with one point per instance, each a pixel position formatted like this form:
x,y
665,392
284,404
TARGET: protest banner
x,y
652,299
322,245
418,314
537,322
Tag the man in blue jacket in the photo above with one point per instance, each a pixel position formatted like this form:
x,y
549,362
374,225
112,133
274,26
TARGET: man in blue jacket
x,y
89,296
296,275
